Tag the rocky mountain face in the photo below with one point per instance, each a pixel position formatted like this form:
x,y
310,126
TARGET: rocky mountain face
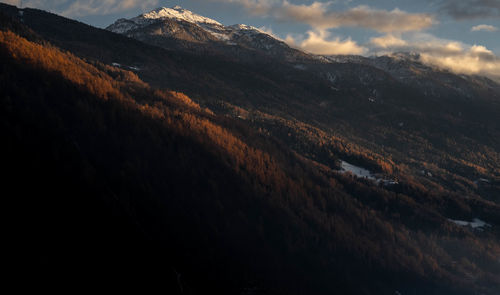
x,y
167,26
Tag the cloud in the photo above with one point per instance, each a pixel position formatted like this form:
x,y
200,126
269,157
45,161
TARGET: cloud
x,y
75,8
320,42
319,15
470,9
103,7
487,28
448,54
416,42
473,60
388,41
12,2
402,31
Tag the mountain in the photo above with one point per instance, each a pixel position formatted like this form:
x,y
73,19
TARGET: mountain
x,y
173,27
167,26
124,25
409,69
189,170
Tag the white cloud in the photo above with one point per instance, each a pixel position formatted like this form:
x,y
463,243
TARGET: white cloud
x,y
452,55
487,28
319,15
320,42
388,41
475,59
12,2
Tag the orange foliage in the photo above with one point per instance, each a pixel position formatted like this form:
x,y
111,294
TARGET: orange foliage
x,y
53,60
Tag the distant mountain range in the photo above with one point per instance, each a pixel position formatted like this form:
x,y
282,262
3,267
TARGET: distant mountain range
x,y
170,152
170,27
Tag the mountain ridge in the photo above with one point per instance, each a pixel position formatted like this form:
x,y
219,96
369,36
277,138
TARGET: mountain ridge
x,y
219,31
255,39
194,27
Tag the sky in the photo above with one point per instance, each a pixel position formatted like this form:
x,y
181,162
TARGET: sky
x,y
460,35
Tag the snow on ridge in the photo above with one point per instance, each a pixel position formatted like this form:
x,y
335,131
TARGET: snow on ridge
x,y
242,27
177,12
223,33
122,26
227,33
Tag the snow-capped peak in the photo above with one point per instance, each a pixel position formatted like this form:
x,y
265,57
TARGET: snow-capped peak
x,y
179,13
239,34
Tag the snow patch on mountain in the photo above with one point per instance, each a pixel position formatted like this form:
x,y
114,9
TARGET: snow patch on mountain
x,y
179,13
363,173
475,224
246,29
358,171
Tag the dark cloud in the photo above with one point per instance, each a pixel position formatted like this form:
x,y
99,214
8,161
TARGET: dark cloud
x,y
470,9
